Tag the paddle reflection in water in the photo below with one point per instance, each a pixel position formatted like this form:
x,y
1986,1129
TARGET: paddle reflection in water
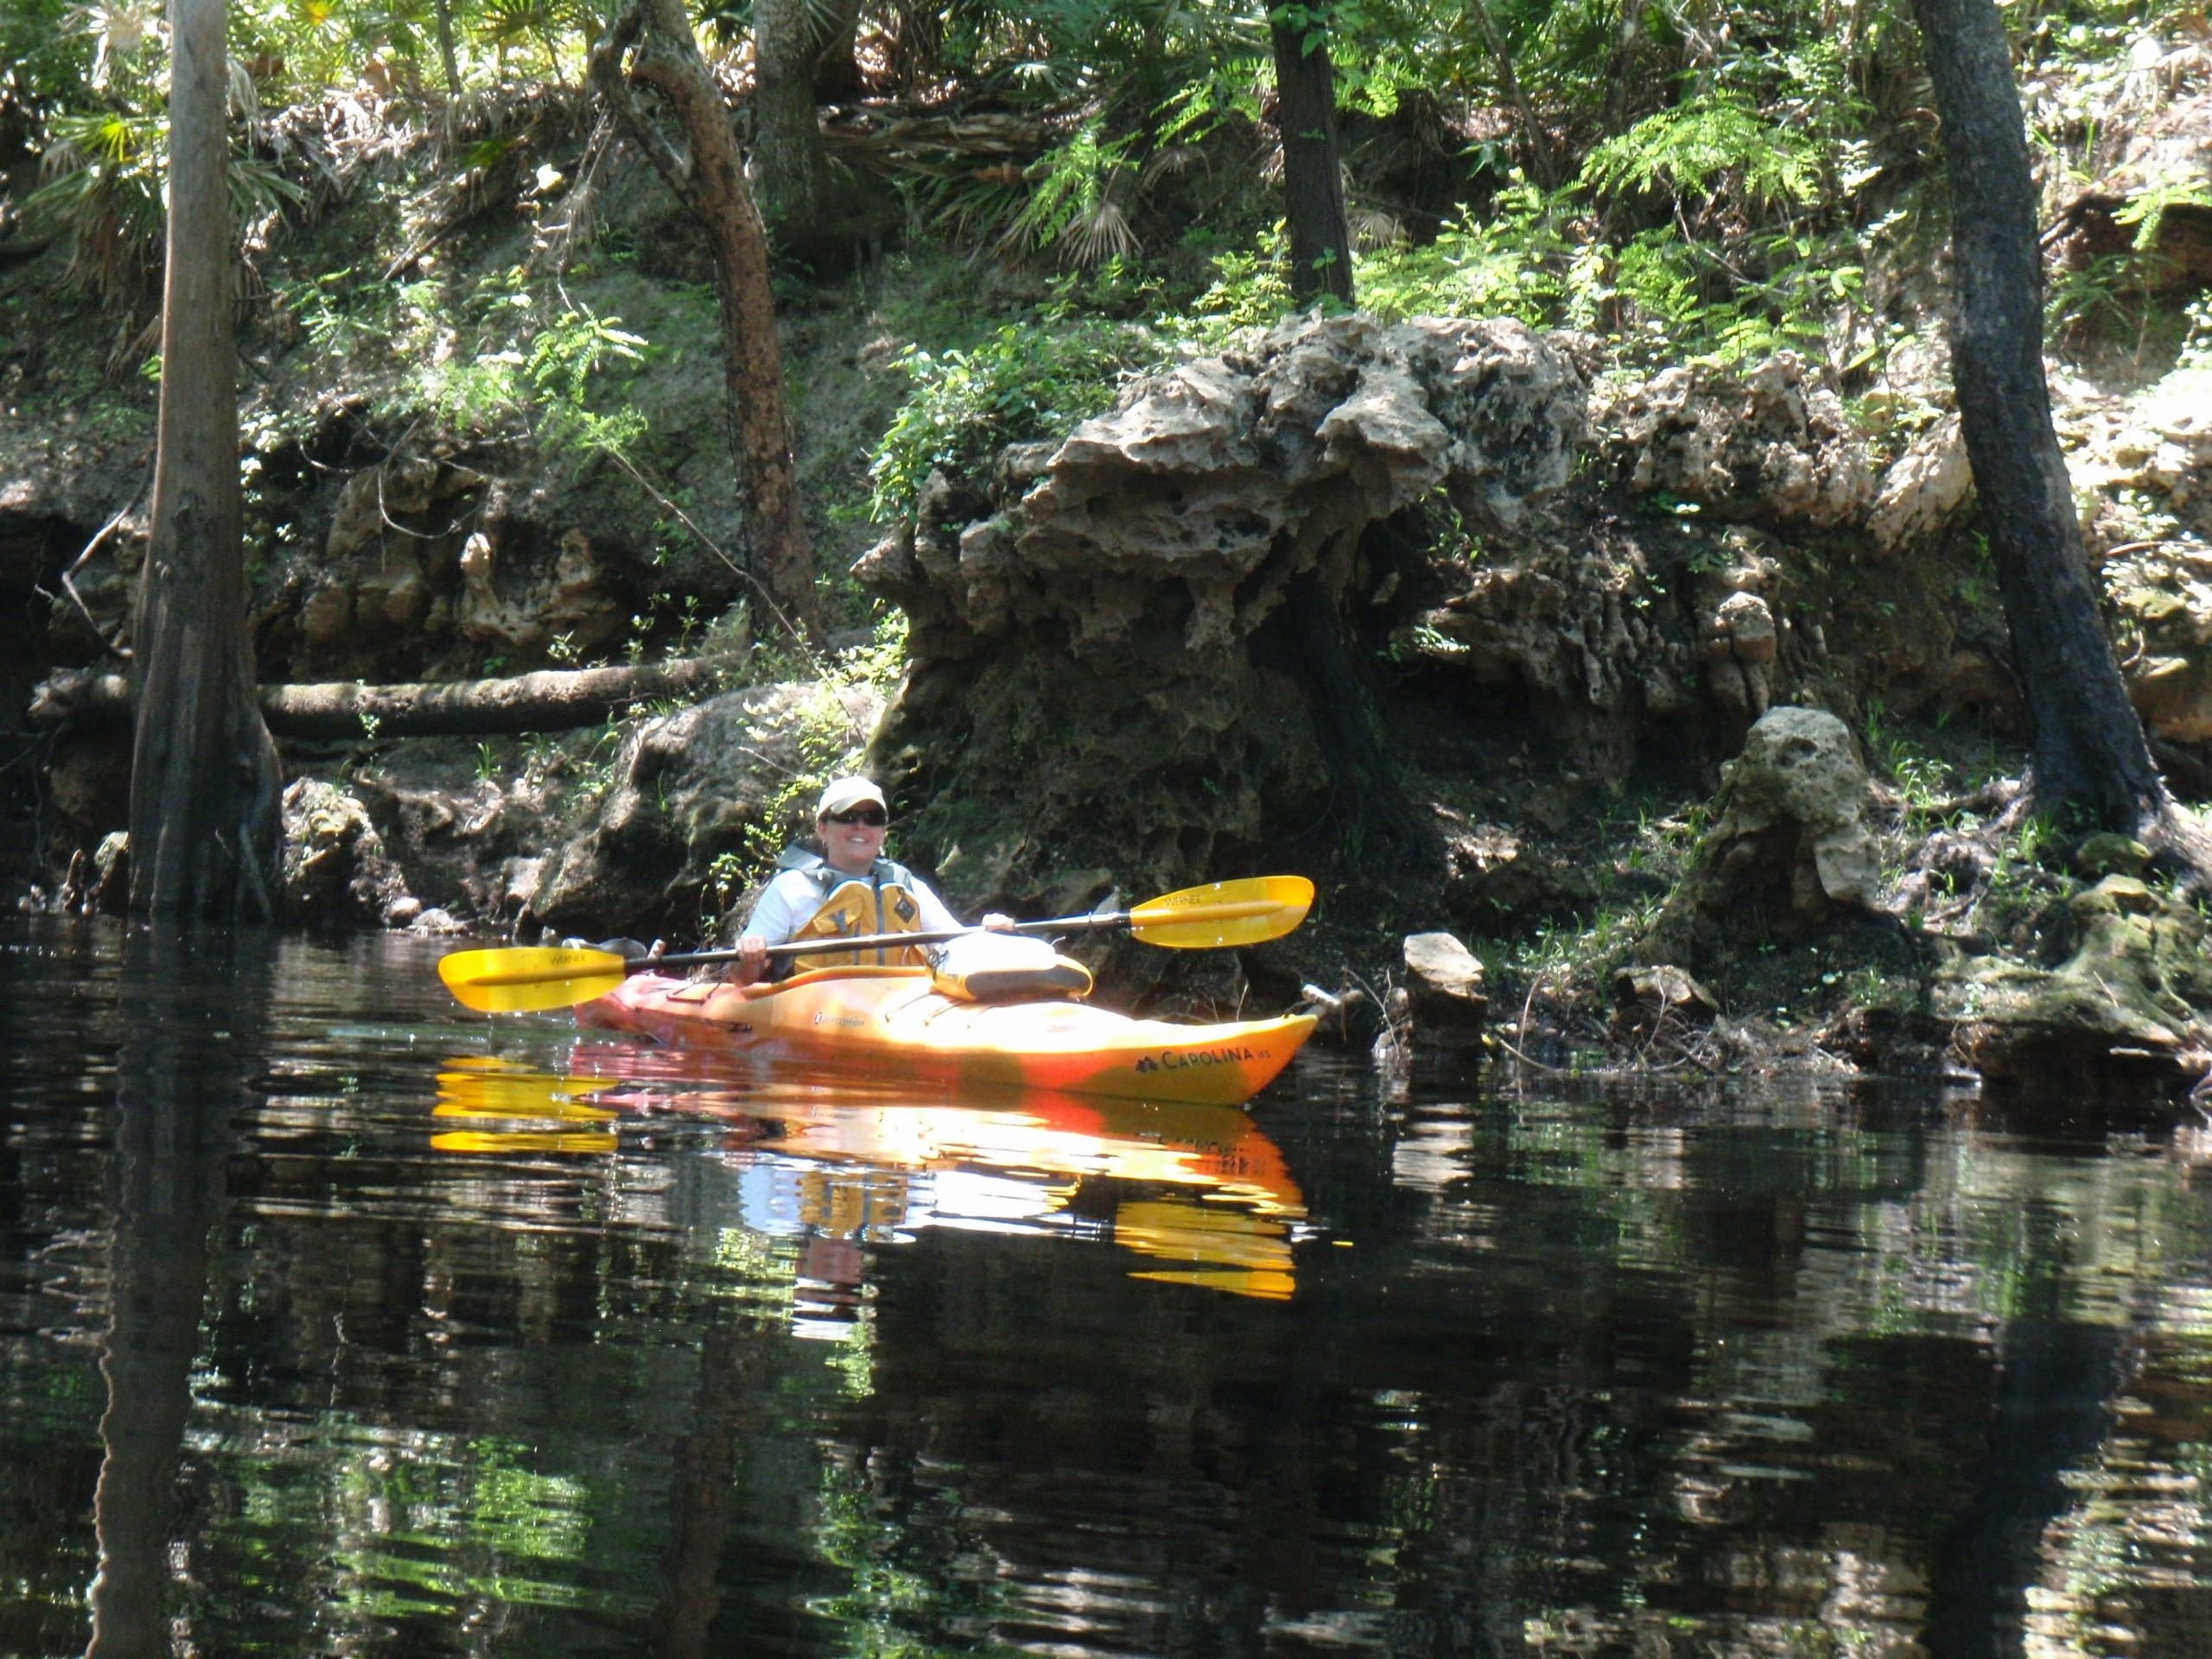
x,y
830,1163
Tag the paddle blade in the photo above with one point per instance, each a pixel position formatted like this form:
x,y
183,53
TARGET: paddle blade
x,y
524,978
1224,913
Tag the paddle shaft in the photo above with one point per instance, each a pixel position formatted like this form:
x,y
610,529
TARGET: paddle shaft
x,y
1230,911
1095,922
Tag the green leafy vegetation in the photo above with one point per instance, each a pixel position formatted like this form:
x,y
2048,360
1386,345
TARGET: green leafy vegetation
x,y
1705,145
1919,777
1022,382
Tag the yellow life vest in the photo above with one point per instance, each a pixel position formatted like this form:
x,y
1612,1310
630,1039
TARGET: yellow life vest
x,y
859,907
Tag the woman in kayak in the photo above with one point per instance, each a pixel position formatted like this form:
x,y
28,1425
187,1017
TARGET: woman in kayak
x,y
846,890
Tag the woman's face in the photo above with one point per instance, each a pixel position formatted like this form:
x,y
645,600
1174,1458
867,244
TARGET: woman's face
x,y
853,846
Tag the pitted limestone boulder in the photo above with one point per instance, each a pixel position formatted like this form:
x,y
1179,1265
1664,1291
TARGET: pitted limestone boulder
x,y
1791,843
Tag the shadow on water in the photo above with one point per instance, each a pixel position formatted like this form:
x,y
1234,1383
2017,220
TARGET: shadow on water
x,y
334,1321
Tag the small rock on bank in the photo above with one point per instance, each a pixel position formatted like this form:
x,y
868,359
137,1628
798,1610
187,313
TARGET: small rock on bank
x,y
1444,999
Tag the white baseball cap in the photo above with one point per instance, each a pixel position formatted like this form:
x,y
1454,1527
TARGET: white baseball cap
x,y
846,793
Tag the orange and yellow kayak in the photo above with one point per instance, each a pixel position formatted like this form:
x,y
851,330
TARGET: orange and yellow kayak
x,y
892,1021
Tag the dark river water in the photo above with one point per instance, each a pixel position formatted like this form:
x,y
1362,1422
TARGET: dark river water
x,y
336,1321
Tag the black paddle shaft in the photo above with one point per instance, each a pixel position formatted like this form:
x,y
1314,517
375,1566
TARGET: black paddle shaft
x,y
808,947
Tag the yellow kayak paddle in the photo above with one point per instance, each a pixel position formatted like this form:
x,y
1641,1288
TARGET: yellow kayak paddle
x,y
518,979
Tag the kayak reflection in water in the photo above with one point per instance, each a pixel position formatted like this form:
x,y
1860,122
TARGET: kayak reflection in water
x,y
1198,1193
847,890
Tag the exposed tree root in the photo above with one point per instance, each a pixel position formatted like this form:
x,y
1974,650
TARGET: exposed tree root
x,y
2180,842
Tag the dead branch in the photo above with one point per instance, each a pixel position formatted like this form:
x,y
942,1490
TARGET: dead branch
x,y
552,700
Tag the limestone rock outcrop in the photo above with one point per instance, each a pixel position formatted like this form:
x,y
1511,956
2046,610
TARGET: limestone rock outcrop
x,y
1137,641
2145,466
1790,842
2164,598
2134,995
1223,469
1770,445
421,553
1739,647
1923,490
1572,628
468,838
660,847
335,870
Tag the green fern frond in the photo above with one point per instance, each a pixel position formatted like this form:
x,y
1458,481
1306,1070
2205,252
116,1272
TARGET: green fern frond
x,y
1701,147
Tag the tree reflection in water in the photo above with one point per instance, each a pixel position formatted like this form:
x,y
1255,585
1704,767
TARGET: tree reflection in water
x,y
178,1078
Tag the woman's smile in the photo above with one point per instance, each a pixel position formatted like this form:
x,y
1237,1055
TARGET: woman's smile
x,y
854,847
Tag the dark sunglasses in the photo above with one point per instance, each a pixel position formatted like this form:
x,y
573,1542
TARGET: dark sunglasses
x,y
874,816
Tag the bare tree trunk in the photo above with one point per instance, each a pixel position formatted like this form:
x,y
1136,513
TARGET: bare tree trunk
x,y
446,54
1541,165
711,182
204,829
1619,82
2089,755
793,162
836,70
1313,184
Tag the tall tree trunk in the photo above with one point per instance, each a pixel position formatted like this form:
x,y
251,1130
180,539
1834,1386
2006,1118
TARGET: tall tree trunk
x,y
1620,77
1312,182
837,69
793,163
446,54
2089,755
204,829
711,182
1541,165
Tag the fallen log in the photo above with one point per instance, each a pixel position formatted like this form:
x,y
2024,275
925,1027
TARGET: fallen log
x,y
551,699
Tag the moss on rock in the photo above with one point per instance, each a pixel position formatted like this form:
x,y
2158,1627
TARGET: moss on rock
x,y
2134,994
